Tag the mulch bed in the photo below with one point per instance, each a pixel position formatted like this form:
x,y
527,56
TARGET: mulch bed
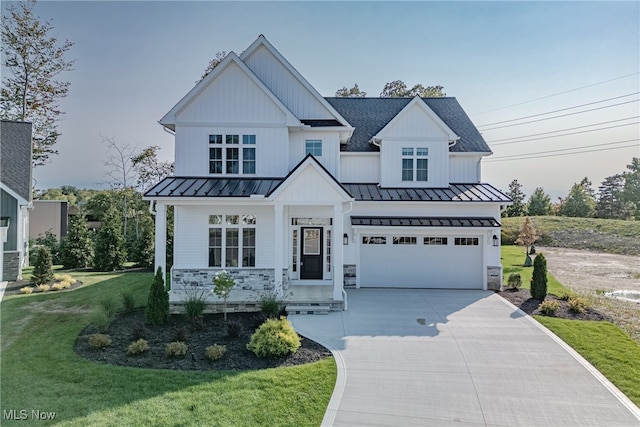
x,y
13,288
127,328
521,298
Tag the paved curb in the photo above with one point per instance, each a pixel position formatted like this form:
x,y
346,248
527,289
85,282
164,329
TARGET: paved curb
x,y
584,362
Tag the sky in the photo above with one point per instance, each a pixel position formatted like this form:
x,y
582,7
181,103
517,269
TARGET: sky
x,y
501,60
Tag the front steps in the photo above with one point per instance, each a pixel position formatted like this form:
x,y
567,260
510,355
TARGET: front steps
x,y
307,309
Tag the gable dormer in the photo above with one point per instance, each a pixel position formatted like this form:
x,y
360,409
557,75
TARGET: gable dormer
x,y
414,148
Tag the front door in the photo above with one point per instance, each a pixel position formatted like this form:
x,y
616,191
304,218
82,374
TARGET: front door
x,y
311,253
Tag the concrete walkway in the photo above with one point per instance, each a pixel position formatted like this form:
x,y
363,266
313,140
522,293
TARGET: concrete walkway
x,y
456,358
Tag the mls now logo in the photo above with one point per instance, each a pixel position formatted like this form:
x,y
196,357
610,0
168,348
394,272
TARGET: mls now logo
x,y
23,414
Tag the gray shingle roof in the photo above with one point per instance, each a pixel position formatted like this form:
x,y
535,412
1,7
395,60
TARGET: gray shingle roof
x,y
15,157
370,115
394,221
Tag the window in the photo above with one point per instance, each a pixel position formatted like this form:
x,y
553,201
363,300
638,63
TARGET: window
x,y
405,240
294,263
419,158
435,241
232,240
374,240
466,241
226,155
311,221
328,250
314,147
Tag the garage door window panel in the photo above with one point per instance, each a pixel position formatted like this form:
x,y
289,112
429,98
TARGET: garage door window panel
x,y
466,241
405,240
374,240
435,241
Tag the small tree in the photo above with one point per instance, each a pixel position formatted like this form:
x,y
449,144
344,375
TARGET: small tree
x,y
527,237
76,249
539,278
42,266
222,285
518,208
157,310
110,250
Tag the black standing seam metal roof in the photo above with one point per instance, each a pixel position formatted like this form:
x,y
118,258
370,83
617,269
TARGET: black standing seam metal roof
x,y
392,221
245,187
370,115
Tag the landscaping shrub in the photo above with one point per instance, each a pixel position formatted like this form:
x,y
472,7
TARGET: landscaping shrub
x,y
270,304
157,311
514,281
110,306
43,288
42,266
258,319
274,338
99,341
215,352
565,295
197,323
181,334
539,278
101,319
76,249
58,286
49,241
549,307
138,347
175,349
138,331
194,306
577,304
234,328
26,290
128,301
110,252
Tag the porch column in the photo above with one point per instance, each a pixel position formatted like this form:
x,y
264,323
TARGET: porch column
x,y
161,239
338,250
279,239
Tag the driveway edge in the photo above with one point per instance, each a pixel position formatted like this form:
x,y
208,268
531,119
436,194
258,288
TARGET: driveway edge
x,y
633,408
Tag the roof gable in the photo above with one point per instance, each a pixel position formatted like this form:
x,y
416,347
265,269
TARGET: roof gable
x,y
370,115
416,119
309,182
231,64
287,83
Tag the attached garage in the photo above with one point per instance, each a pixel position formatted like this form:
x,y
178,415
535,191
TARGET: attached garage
x,y
394,254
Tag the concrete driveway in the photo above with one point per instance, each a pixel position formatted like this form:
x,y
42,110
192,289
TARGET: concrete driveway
x,y
459,358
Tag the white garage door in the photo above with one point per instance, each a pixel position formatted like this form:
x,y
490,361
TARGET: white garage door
x,y
394,261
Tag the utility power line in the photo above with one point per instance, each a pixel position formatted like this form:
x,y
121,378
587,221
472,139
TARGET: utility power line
x,y
562,130
562,115
557,111
556,94
563,152
566,134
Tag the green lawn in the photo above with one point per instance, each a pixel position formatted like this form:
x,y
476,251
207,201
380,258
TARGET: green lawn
x,y
606,347
40,371
603,344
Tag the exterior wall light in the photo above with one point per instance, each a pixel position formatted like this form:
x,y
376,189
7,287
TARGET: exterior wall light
x,y
345,239
496,241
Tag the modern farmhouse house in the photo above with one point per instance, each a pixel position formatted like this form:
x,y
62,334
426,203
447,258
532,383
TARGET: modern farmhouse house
x,y
305,195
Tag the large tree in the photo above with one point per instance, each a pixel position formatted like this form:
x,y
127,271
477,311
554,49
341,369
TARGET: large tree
x,y
539,203
579,202
353,92
398,89
518,208
631,192
149,169
33,62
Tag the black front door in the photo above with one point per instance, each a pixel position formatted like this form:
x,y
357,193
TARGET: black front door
x,y
311,253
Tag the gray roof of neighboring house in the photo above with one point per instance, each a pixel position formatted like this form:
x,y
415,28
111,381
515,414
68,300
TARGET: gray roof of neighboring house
x,y
370,115
394,221
15,157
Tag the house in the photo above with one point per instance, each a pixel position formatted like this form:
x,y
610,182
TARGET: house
x,y
51,216
15,197
306,195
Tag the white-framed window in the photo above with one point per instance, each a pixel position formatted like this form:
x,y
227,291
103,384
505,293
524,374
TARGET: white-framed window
x,y
226,156
466,241
436,241
374,240
405,240
415,164
313,146
232,240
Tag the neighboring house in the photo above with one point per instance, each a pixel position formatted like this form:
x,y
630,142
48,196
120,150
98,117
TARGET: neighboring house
x,y
15,197
48,215
286,189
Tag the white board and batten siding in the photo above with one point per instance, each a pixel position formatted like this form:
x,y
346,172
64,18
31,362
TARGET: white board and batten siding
x,y
191,234
302,102
360,167
330,149
464,168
